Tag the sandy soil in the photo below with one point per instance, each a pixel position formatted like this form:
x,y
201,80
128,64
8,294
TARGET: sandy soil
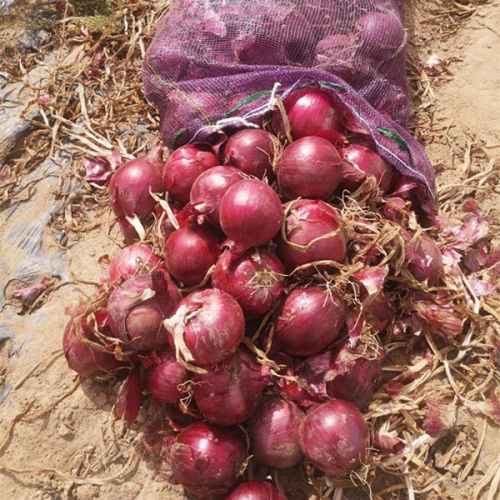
x,y
458,122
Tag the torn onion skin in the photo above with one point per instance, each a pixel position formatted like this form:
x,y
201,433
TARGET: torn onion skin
x,y
129,399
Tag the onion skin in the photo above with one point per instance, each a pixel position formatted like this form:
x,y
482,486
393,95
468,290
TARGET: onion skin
x,y
310,167
252,151
424,259
183,167
211,324
131,261
190,252
256,490
311,112
363,162
250,214
130,184
84,360
209,188
206,459
137,322
163,379
307,220
273,432
255,279
129,399
229,393
334,437
308,320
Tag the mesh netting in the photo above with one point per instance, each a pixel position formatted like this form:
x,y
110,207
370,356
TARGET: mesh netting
x,y
216,63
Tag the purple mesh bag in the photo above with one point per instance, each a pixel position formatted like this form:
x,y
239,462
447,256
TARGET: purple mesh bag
x,y
219,63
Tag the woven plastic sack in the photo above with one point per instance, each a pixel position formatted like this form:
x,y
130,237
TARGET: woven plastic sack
x,y
221,63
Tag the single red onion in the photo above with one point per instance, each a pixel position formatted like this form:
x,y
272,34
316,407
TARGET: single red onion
x,y
310,111
334,437
252,151
190,252
183,167
206,459
206,327
255,279
256,490
81,358
424,259
163,379
312,231
131,261
383,35
209,188
310,167
308,320
138,307
130,185
273,432
129,399
250,214
229,393
362,162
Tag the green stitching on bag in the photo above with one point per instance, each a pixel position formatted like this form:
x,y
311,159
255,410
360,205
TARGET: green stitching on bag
x,y
333,86
248,100
394,136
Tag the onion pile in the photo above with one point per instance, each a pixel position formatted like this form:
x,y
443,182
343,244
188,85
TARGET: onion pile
x,y
258,303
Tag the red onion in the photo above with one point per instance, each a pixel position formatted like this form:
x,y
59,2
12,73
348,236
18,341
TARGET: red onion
x,y
310,167
250,214
81,358
252,151
209,188
206,327
362,162
138,307
130,185
309,320
310,111
377,311
131,261
273,433
229,393
334,437
383,35
206,459
129,399
255,279
183,167
424,259
312,231
256,490
190,252
163,379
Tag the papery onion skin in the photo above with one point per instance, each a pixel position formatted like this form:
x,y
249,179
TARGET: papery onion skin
x,y
81,358
424,259
163,379
214,333
131,261
273,432
252,151
130,185
206,459
129,398
256,490
310,167
183,167
209,188
189,253
255,279
139,323
364,162
307,220
308,320
229,393
250,214
334,437
311,112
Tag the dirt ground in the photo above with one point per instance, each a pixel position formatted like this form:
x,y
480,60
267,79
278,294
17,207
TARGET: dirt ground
x,y
455,115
